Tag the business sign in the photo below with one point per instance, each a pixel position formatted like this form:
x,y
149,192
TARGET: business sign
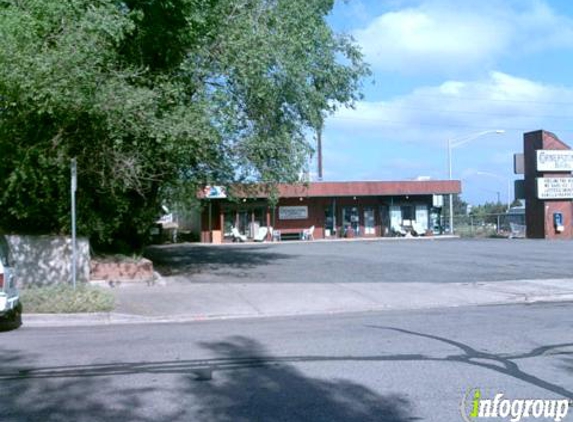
x,y
293,213
519,189
215,192
437,200
554,160
519,163
555,187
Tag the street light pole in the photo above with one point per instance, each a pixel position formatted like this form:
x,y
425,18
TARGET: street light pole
x,y
450,178
453,143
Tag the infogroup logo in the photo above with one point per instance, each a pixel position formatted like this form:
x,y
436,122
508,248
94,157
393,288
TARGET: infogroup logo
x,y
475,407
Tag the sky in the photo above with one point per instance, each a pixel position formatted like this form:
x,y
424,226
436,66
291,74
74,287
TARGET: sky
x,y
452,69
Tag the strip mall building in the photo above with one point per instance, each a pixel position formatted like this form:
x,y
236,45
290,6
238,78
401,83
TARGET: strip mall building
x,y
335,209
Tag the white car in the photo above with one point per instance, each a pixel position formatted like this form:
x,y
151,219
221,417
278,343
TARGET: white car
x,y
10,305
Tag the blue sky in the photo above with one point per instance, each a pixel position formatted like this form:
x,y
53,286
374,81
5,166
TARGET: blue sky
x,y
447,69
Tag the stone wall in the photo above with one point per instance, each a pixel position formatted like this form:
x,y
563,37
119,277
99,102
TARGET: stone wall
x,y
44,260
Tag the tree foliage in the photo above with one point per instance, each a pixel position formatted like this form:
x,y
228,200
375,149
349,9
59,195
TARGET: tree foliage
x,y
153,95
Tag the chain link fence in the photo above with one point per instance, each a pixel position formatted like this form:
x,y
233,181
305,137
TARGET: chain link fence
x,y
490,225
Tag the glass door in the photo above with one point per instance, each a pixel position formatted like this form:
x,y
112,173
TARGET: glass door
x,y
384,220
229,218
395,218
244,218
369,221
329,221
351,221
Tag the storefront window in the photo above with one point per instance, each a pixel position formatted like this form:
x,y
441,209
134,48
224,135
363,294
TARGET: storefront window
x,y
258,221
435,221
407,212
329,221
229,219
395,218
247,221
422,217
369,221
244,220
351,220
384,220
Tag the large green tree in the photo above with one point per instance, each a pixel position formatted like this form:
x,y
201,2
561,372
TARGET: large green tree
x,y
153,95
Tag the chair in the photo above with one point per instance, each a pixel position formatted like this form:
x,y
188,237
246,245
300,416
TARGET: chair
x,y
238,236
418,229
397,230
308,234
262,234
275,235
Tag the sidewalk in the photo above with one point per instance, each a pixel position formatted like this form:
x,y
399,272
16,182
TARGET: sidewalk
x,y
177,301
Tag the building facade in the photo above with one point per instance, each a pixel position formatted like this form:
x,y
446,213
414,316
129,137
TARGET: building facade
x,y
331,209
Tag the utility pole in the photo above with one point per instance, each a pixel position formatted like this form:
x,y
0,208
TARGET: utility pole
x,y
74,185
319,151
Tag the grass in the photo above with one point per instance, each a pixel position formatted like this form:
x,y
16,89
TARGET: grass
x,y
62,298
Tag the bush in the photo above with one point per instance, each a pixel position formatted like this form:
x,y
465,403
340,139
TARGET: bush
x,y
62,298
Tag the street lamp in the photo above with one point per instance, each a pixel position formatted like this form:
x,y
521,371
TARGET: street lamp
x,y
507,179
454,143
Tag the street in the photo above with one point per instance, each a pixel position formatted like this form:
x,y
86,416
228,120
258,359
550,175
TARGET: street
x,y
393,366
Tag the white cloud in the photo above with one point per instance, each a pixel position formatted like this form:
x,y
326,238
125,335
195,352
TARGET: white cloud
x,y
407,136
450,36
498,100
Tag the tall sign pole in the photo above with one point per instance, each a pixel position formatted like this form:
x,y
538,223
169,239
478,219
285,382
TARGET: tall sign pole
x,y
74,185
319,148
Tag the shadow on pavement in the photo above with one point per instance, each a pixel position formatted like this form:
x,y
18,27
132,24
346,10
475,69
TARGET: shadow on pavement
x,y
501,362
189,259
242,384
280,392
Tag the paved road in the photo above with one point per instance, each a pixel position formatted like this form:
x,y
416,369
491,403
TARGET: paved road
x,y
386,367
374,261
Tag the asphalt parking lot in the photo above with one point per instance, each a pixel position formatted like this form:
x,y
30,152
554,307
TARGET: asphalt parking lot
x,y
405,260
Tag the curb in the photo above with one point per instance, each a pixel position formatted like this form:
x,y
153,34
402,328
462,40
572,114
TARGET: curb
x,y
308,242
113,318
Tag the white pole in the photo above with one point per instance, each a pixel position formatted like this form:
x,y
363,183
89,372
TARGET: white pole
x,y
450,178
508,194
458,142
73,193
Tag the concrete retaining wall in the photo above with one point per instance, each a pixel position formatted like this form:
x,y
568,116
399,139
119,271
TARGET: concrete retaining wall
x,y
44,260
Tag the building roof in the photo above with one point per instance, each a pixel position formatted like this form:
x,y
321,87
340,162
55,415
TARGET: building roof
x,y
338,189
388,188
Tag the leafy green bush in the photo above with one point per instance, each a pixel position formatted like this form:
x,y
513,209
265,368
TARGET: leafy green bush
x,y
155,99
62,298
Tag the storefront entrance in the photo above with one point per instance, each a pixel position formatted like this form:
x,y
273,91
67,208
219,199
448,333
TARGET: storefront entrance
x,y
246,220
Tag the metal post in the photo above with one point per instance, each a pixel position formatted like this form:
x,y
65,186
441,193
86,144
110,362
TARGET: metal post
x,y
210,224
334,229
319,148
73,194
456,143
508,194
450,178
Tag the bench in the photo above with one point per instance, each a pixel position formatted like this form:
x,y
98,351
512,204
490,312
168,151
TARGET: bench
x,y
288,234
291,236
